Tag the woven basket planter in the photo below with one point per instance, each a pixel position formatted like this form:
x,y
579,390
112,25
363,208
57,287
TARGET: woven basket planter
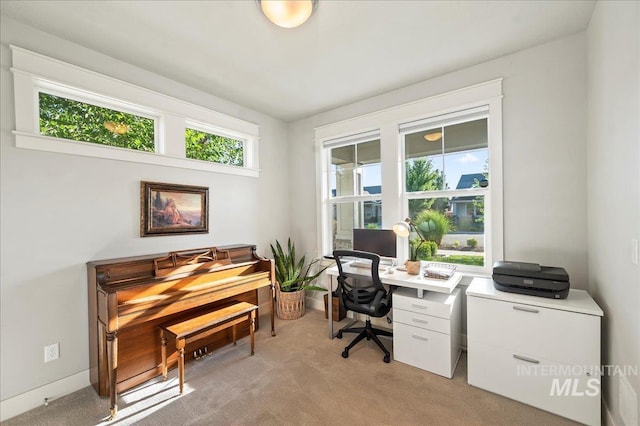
x,y
290,305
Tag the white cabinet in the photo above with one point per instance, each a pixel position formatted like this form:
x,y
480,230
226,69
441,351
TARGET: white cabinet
x,y
426,331
543,352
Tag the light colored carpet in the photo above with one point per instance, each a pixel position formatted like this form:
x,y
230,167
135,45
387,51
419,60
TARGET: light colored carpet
x,y
296,378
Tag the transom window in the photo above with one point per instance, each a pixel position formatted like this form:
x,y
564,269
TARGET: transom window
x,y
79,121
201,145
112,119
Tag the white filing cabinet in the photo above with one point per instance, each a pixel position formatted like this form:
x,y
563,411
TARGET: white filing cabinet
x,y
543,352
426,331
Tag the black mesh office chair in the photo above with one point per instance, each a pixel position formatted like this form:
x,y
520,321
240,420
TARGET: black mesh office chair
x,y
365,296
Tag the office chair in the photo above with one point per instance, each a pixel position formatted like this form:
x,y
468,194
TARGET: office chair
x,y
365,296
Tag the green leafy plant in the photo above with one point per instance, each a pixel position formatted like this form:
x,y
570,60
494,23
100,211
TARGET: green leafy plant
x,y
432,225
472,242
291,273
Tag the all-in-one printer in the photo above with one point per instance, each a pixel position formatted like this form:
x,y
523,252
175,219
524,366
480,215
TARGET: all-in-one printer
x,y
531,279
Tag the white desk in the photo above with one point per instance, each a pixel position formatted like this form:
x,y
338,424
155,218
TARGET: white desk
x,y
397,278
426,325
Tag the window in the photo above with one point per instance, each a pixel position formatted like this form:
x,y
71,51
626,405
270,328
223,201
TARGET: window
x,y
451,157
355,188
113,119
436,160
69,119
205,146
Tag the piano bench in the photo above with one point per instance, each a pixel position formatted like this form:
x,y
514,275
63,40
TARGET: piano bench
x,y
204,325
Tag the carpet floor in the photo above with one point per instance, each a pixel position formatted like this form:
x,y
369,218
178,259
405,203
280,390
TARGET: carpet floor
x,y
296,378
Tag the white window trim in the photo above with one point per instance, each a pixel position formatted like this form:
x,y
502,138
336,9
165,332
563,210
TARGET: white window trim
x,y
388,122
33,72
207,128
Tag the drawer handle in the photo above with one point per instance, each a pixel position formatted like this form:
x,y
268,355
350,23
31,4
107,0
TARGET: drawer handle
x,y
415,336
418,320
415,305
524,358
523,309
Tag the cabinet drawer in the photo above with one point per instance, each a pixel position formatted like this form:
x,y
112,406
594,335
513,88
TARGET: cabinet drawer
x,y
436,304
424,349
558,388
562,336
423,321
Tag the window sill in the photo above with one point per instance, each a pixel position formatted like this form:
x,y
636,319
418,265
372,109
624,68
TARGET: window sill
x,y
63,146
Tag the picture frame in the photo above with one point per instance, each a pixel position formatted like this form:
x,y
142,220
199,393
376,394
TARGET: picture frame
x,y
173,209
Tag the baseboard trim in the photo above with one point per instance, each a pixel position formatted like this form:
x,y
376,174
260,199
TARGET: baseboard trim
x,y
313,303
29,400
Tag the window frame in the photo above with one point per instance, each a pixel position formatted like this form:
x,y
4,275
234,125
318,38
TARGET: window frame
x,y
444,121
207,128
33,73
388,123
351,140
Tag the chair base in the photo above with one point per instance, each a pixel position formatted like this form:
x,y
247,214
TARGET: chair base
x,y
371,334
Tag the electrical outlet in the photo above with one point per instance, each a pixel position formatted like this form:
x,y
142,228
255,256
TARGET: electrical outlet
x,y
634,251
51,352
628,402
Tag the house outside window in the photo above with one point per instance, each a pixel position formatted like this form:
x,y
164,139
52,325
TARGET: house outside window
x,y
449,158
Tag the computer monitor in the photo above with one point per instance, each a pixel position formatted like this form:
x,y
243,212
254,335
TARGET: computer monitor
x,y
379,241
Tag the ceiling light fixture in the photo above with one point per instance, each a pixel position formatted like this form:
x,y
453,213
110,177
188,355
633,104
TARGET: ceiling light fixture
x,y
433,137
288,13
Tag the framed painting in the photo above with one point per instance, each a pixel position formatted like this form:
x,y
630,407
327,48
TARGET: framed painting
x,y
170,209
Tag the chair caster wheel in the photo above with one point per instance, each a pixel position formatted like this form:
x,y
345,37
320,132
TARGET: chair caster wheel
x,y
339,335
345,354
387,358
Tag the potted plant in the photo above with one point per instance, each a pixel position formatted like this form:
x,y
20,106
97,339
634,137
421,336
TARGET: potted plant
x,y
413,264
293,277
423,227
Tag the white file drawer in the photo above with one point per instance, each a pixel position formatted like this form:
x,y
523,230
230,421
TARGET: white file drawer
x,y
549,333
427,322
436,304
536,350
546,384
425,349
426,331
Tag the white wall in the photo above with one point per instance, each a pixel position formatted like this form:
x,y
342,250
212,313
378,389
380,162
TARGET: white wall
x,y
613,154
59,211
543,147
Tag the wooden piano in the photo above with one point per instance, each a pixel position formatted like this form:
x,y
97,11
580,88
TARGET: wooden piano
x,y
129,297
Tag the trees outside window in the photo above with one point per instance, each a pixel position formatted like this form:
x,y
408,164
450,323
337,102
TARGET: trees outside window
x,y
215,148
69,119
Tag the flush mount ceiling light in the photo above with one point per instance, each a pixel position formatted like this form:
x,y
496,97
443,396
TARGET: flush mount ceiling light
x,y
433,137
288,13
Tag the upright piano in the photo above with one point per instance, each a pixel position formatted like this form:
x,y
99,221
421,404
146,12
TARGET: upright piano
x,y
130,297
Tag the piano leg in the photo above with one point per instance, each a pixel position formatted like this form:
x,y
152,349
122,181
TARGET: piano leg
x,y
112,360
163,349
180,346
252,327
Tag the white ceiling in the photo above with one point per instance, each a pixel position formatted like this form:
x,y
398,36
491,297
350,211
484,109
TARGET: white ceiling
x,y
347,51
